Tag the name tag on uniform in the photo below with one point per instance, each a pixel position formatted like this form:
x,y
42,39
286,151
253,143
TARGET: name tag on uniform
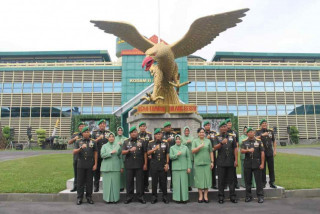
x,y
139,144
212,135
256,144
147,137
220,138
163,145
230,138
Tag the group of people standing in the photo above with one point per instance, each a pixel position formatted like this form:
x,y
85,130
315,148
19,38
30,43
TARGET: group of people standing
x,y
190,161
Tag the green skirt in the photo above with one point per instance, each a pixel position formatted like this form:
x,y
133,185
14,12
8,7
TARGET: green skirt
x,y
202,176
111,186
191,176
123,179
180,185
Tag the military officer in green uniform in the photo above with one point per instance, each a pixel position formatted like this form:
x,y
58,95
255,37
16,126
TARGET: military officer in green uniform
x,y
111,168
210,134
235,134
120,138
135,163
225,144
146,137
266,135
101,138
76,136
168,136
159,165
253,149
186,139
86,149
181,167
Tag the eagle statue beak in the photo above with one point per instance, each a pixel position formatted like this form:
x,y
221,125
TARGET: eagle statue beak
x,y
148,61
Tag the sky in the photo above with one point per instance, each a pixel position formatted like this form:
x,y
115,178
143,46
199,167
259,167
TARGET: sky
x,y
49,25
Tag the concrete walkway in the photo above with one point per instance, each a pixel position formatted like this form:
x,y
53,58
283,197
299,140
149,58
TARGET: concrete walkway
x,y
283,206
313,151
12,155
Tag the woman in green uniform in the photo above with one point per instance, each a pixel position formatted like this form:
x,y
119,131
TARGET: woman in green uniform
x,y
242,156
119,140
111,168
181,167
203,164
186,140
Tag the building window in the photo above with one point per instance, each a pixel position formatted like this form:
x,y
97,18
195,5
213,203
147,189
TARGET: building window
x,y
5,112
87,87
107,86
262,110
35,112
192,87
279,86
242,110
15,112
117,87
55,111
221,87
17,88
297,86
202,109
7,87
212,109
252,110
290,109
241,86
47,87
67,87
281,110
97,87
107,110
0,87
76,111
269,86
233,110
66,112
222,109
201,86
211,86
250,86
231,86
288,86
260,86
316,86
77,87
27,87
25,112
307,86
45,111
272,110
97,109
37,87
86,110
57,87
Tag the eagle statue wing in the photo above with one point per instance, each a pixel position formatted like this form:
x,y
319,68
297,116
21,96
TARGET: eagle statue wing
x,y
126,32
203,30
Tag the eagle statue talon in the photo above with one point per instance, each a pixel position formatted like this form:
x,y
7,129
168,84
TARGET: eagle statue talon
x,y
151,98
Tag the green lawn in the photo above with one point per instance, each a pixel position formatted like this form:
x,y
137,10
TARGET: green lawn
x,y
49,173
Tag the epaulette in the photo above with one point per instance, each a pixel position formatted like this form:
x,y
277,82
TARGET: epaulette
x,y
258,139
270,129
76,133
151,141
245,139
233,135
149,133
258,129
165,141
174,132
217,134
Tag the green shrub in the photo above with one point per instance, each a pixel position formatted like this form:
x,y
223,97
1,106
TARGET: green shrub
x,y
41,135
294,135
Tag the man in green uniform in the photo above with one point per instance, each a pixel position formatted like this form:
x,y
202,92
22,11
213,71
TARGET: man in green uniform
x,y
270,146
86,149
146,137
120,138
135,163
210,134
168,136
159,151
225,144
76,136
101,138
235,134
253,163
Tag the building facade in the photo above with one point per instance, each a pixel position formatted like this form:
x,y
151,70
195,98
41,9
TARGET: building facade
x,y
37,88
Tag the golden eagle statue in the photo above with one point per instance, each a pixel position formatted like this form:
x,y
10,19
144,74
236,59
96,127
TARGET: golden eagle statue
x,y
201,33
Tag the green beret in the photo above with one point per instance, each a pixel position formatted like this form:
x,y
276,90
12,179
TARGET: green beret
x,y
158,130
142,123
228,120
85,129
101,121
249,129
222,123
133,128
205,123
166,124
81,123
263,120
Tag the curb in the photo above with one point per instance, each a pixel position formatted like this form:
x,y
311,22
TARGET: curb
x,y
302,193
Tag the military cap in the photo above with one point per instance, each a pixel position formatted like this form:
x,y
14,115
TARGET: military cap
x,y
101,121
205,123
81,123
249,129
158,130
166,124
133,128
142,123
85,129
263,120
228,120
222,123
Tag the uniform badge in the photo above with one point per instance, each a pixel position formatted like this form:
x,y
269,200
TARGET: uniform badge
x,y
270,134
163,145
212,135
139,144
256,144
220,138
147,137
230,138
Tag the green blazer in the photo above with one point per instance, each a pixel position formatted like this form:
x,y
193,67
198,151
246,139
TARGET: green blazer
x,y
120,139
203,156
111,162
184,140
182,162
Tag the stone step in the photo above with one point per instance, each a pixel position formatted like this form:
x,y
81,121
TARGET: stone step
x,y
193,195
70,182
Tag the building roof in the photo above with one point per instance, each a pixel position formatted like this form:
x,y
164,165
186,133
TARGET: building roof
x,y
220,55
103,53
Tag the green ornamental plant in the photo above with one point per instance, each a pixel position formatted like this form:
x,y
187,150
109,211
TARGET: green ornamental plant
x,y
294,135
6,133
41,135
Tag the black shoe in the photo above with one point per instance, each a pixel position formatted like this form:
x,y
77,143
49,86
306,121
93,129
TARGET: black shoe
x,y
183,202
165,200
260,200
264,185
248,199
234,201
221,201
79,201
128,200
215,187
200,201
90,201
206,201
190,188
273,186
160,190
96,189
237,186
122,189
74,189
142,201
170,189
146,189
153,201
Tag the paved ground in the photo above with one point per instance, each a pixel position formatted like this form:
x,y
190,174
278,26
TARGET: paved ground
x,y
283,206
313,151
11,155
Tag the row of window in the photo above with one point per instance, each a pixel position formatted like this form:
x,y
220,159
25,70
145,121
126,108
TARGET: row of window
x,y
254,86
55,111
262,110
75,87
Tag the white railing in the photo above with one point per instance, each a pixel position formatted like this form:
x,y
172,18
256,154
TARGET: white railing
x,y
238,63
59,64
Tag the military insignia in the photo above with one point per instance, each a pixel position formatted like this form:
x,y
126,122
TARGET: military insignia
x,y
147,137
163,145
270,134
91,144
97,134
139,144
212,135
256,144
230,138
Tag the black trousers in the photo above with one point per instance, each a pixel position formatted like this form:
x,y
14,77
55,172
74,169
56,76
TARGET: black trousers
x,y
146,176
226,177
75,163
131,174
170,170
270,161
248,180
84,179
214,170
159,176
97,173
